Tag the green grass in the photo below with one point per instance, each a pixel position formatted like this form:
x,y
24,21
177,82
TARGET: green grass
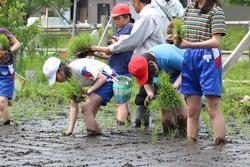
x,y
233,37
233,93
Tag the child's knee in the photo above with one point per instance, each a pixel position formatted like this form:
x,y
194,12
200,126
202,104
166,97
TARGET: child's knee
x,y
3,103
193,112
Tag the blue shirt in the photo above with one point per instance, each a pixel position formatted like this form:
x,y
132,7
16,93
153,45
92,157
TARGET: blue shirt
x,y
119,61
169,57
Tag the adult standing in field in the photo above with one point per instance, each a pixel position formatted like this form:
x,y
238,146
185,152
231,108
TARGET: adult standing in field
x,y
204,21
148,31
7,72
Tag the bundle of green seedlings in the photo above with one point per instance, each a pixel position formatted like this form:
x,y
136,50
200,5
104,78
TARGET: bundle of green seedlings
x,y
179,31
71,89
167,100
167,97
4,45
80,46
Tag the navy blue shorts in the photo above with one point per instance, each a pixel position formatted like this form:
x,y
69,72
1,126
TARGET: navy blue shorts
x,y
106,92
6,81
202,72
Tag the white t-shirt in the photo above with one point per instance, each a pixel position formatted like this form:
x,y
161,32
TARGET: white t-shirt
x,y
87,70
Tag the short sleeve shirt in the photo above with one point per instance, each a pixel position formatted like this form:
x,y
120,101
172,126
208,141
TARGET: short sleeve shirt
x,y
87,70
119,61
201,27
169,57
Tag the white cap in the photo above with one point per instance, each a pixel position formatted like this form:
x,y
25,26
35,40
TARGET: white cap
x,y
50,69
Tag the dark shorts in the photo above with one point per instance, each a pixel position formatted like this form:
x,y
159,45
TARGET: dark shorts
x,y
106,92
6,81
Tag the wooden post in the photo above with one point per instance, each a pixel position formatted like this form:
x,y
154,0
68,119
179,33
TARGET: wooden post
x,y
105,35
236,54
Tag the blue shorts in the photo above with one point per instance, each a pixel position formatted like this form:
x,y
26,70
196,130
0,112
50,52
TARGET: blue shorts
x,y
106,92
202,72
6,81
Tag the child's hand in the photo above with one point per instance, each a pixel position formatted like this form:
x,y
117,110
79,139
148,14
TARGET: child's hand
x,y
148,99
101,49
89,92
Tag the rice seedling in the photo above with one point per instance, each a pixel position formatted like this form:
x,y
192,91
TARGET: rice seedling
x,y
179,31
80,46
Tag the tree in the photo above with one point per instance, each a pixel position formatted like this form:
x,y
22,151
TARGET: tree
x,y
32,6
239,2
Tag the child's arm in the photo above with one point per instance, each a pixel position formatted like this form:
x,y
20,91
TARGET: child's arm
x,y
177,82
214,42
15,44
72,117
101,79
150,93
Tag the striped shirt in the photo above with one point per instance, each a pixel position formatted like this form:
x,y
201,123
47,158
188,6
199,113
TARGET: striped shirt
x,y
201,27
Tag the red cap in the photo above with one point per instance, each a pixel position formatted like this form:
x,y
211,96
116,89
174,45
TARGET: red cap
x,y
120,9
138,67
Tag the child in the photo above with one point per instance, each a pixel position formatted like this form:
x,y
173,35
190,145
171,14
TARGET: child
x,y
7,74
167,58
89,72
119,61
202,72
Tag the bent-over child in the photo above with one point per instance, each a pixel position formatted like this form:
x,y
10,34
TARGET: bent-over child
x,y
89,72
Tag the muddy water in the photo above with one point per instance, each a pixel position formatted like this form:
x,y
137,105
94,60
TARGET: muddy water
x,y
40,143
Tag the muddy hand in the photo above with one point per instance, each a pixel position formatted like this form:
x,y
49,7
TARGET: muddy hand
x,y
148,99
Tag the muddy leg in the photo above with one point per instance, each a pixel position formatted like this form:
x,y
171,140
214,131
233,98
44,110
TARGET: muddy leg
x,y
216,116
123,112
89,110
142,116
4,110
194,109
181,119
168,124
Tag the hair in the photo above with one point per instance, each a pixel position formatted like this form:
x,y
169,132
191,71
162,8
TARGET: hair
x,y
145,1
126,16
208,6
66,70
152,71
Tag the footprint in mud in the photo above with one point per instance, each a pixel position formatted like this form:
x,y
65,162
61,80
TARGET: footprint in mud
x,y
127,165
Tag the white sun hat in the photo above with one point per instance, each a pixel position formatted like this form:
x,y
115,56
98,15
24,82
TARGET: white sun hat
x,y
50,69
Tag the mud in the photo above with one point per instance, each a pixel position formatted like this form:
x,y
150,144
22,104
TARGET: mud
x,y
40,143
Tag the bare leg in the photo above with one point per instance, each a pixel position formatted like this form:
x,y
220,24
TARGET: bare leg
x,y
89,110
194,109
216,116
72,117
4,109
123,113
168,123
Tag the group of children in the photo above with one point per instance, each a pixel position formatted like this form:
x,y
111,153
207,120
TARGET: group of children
x,y
194,67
